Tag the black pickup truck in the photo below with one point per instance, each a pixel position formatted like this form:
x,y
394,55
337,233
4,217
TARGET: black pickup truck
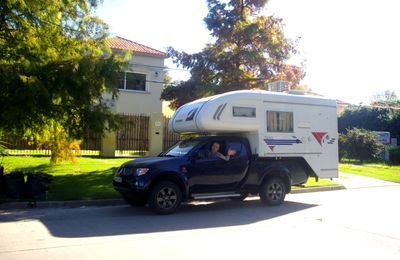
x,y
185,172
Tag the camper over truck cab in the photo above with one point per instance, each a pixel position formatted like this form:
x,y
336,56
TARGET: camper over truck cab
x,y
252,142
277,125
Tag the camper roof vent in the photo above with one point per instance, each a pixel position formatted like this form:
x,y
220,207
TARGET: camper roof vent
x,y
296,92
278,86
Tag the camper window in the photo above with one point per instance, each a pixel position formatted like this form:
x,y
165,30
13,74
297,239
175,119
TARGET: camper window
x,y
278,121
244,111
191,114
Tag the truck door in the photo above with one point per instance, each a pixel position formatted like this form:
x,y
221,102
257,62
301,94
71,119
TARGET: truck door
x,y
238,164
210,174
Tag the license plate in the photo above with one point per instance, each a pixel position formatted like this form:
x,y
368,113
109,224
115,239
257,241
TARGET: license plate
x,y
117,179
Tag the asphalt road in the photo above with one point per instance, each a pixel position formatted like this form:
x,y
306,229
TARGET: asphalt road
x,y
362,222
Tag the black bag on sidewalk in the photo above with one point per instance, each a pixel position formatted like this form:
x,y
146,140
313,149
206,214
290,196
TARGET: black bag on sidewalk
x,y
14,184
38,184
1,181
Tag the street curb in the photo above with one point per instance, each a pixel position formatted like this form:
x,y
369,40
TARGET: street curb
x,y
63,204
117,202
318,189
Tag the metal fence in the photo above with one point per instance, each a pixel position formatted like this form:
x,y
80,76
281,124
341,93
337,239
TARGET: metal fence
x,y
16,145
131,139
133,136
91,143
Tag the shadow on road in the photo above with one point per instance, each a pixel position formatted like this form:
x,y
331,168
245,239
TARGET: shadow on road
x,y
124,220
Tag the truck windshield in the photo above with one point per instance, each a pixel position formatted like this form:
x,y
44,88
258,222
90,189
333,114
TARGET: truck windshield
x,y
181,148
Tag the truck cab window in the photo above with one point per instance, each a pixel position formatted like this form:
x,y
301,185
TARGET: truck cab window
x,y
181,148
237,147
206,151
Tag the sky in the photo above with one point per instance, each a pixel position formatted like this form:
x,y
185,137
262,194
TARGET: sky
x,y
350,48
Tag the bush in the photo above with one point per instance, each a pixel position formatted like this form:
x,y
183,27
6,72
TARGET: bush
x,y
63,149
361,144
3,149
394,155
342,146
54,137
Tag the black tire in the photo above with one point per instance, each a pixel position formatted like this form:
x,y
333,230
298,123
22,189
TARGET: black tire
x,y
273,191
242,197
165,198
135,201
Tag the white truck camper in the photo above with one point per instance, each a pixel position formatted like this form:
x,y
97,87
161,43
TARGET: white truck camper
x,y
277,125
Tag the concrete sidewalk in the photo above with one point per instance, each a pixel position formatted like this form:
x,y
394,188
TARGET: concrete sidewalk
x,y
354,181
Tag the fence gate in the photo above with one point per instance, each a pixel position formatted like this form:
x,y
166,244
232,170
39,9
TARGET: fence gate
x,y
133,136
92,142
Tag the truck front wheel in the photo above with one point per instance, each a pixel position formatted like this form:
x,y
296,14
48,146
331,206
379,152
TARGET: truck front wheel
x,y
273,191
165,198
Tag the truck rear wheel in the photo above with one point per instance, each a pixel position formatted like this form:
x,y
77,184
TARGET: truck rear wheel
x,y
273,191
165,198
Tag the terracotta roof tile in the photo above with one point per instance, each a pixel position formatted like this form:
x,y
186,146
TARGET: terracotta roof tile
x,y
124,44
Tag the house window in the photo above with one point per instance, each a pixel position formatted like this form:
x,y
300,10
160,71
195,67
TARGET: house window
x,y
244,112
278,121
132,81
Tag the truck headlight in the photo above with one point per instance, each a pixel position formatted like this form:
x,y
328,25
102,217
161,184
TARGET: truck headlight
x,y
119,172
141,171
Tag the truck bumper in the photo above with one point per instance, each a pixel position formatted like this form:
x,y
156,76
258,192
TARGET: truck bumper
x,y
131,185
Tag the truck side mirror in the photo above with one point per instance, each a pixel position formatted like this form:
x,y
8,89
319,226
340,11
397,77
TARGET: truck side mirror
x,y
194,156
201,154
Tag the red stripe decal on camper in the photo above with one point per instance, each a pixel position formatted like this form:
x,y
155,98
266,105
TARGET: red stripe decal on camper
x,y
318,136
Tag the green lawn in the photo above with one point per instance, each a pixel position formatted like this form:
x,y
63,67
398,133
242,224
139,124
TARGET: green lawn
x,y
375,170
88,178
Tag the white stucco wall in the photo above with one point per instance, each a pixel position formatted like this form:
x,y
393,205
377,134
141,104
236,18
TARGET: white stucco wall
x,y
139,102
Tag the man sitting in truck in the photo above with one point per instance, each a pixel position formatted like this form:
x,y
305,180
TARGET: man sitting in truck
x,y
214,152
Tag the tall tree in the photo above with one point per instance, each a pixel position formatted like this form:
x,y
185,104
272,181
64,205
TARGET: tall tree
x,y
248,51
54,67
387,98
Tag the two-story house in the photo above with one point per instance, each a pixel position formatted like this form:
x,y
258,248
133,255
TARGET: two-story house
x,y
140,87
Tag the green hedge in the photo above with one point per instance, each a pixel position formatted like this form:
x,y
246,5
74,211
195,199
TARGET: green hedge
x,y
360,144
394,155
